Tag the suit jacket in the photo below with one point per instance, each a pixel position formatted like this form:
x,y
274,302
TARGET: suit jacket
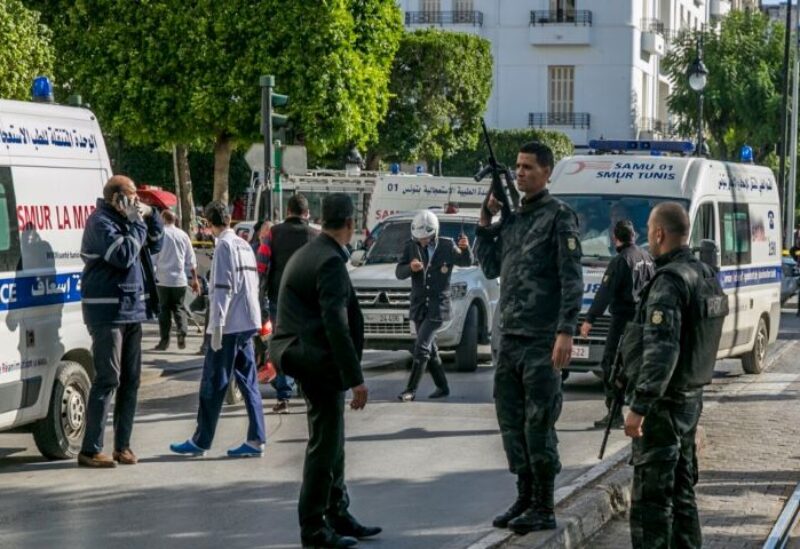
x,y
319,337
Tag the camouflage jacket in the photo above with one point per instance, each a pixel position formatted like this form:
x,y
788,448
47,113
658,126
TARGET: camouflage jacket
x,y
680,317
537,256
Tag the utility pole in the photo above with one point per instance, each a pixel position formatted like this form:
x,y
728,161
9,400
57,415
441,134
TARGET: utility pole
x,y
791,185
784,104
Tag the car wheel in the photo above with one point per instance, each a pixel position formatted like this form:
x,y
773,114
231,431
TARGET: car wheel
x,y
754,361
467,350
60,434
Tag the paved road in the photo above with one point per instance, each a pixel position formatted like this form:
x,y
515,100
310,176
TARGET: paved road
x,y
432,473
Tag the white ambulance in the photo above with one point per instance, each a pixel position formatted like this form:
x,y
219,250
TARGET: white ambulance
x,y
53,164
733,204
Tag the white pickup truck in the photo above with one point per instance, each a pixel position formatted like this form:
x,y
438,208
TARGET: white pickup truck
x,y
384,300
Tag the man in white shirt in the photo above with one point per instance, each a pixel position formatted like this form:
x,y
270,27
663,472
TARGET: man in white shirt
x,y
234,318
175,259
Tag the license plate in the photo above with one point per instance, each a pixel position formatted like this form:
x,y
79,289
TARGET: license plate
x,y
385,318
580,351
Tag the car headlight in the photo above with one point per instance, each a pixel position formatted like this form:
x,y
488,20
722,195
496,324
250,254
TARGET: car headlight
x,y
458,290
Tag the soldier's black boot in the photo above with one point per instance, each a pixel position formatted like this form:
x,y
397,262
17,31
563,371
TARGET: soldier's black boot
x,y
417,368
523,502
540,515
437,373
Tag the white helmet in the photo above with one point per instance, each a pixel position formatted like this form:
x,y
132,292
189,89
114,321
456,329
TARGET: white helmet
x,y
424,225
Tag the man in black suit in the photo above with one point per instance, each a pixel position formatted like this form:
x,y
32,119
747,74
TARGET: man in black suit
x,y
319,340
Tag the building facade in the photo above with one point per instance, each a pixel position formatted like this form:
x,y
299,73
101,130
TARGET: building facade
x,y
589,68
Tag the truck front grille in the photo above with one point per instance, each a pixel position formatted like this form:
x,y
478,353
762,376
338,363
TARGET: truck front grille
x,y
399,328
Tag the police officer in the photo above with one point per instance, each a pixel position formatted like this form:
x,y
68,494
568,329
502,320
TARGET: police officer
x,y
669,352
537,254
429,259
625,276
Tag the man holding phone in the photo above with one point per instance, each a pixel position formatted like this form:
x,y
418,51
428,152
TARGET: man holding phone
x,y
118,293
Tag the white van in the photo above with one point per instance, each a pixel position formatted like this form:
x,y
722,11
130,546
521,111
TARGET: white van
x,y
53,164
735,205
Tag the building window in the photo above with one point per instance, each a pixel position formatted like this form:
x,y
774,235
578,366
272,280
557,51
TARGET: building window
x,y
430,6
561,89
461,6
564,10
735,233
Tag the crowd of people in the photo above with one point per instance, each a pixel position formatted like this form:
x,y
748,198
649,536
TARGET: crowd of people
x,y
665,321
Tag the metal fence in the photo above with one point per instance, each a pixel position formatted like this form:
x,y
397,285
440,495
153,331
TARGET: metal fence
x,y
578,120
444,18
560,17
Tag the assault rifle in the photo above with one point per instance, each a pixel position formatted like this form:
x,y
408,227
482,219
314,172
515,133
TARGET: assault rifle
x,y
618,382
509,200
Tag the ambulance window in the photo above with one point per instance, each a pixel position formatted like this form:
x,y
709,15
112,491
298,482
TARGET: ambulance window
x,y
735,234
9,235
704,224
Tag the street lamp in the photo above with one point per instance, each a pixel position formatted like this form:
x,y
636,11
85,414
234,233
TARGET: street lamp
x,y
698,78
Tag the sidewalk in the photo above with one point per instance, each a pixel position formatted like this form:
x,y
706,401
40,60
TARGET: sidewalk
x,y
751,460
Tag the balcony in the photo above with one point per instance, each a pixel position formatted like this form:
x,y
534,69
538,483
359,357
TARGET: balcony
x,y
578,120
653,37
653,128
442,18
560,28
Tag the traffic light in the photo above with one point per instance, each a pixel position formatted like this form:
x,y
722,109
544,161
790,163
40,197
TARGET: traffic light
x,y
279,100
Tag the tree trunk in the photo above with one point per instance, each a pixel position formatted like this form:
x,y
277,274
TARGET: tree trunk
x,y
373,161
223,147
185,195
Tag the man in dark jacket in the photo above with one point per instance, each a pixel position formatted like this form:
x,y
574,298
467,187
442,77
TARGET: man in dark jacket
x,y
319,339
118,292
538,257
669,351
429,260
283,241
625,276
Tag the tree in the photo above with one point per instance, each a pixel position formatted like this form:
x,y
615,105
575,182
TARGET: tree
x,y
506,144
26,51
742,100
171,72
440,85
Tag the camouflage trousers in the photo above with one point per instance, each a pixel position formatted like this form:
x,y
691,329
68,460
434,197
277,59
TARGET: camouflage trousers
x,y
527,397
663,506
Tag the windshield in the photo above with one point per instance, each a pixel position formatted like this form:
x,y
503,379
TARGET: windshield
x,y
597,216
392,238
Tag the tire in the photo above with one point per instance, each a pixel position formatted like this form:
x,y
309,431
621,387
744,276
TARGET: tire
x,y
233,395
467,350
598,374
60,434
754,361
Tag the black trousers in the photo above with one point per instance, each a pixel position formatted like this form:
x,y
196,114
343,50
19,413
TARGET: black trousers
x,y
615,331
171,301
117,353
323,492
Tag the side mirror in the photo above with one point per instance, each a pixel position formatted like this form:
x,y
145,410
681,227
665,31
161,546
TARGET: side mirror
x,y
709,253
357,258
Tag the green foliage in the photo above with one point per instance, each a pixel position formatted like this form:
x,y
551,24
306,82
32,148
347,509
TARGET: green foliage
x,y
506,144
440,84
742,99
25,49
166,71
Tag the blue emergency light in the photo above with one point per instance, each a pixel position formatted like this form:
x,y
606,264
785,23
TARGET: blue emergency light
x,y
746,154
612,145
42,90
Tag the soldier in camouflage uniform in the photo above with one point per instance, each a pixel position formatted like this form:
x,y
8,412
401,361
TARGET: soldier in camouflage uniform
x,y
669,352
537,254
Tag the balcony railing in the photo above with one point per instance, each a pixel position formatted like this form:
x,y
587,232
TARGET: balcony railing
x,y
657,126
554,17
577,120
653,25
444,18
